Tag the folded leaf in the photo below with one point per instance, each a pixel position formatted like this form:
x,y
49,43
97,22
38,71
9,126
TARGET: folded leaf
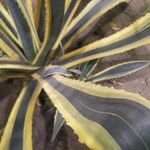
x,y
58,123
87,68
102,117
51,70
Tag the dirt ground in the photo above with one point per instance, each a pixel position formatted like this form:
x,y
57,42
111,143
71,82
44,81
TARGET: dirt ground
x,y
138,82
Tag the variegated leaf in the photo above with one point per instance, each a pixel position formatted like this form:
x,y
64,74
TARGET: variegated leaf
x,y
87,68
58,123
57,12
22,28
17,133
119,70
93,10
133,36
16,66
102,117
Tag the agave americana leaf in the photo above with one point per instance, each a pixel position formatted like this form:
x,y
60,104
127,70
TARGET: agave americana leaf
x,y
10,48
102,117
118,70
57,7
6,136
42,21
67,4
93,10
5,48
8,32
66,20
36,11
22,28
48,21
16,66
87,68
19,125
4,13
30,22
29,6
133,36
11,75
28,122
58,123
51,70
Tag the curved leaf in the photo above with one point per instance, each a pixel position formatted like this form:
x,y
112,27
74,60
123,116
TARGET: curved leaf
x,y
87,68
28,15
57,7
8,32
6,136
119,70
22,28
133,36
10,75
67,4
93,10
48,19
7,16
16,66
10,48
28,122
17,133
7,46
102,117
36,12
29,6
67,18
41,26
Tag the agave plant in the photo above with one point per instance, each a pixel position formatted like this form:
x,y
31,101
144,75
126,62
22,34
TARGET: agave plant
x,y
35,38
